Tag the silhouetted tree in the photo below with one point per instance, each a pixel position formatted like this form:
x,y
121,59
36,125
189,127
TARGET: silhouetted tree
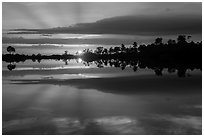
x,y
141,48
181,72
135,45
65,52
110,50
171,42
155,56
181,39
116,50
105,51
99,50
39,57
188,37
158,41
135,68
11,49
158,72
123,48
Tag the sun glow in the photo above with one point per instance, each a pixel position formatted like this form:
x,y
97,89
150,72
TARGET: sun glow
x,y
79,52
79,60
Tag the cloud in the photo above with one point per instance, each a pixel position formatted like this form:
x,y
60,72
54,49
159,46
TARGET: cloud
x,y
104,41
142,85
133,25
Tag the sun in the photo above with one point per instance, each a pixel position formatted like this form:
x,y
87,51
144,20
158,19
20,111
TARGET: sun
x,y
80,60
79,52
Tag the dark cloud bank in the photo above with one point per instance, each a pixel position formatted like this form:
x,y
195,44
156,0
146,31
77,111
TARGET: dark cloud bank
x,y
135,85
133,25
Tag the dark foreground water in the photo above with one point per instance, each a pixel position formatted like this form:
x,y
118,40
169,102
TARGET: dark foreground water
x,y
52,98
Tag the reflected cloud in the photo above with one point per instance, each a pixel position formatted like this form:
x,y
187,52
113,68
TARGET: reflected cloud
x,y
70,76
118,120
67,125
120,125
53,68
188,121
185,124
135,85
109,125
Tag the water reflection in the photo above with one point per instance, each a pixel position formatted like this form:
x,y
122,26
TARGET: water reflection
x,y
119,85
175,56
11,66
91,106
79,60
71,102
133,64
115,125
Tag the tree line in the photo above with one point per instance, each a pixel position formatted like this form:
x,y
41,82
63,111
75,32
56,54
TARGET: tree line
x,y
175,55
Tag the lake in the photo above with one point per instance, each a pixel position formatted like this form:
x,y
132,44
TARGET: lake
x,y
51,97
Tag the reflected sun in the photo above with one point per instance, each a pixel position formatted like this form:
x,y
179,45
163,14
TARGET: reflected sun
x,y
79,60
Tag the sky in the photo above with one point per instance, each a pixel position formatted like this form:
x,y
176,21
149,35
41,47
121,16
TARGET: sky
x,y
46,15
111,18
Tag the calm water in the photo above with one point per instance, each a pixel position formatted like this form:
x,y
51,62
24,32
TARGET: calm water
x,y
53,98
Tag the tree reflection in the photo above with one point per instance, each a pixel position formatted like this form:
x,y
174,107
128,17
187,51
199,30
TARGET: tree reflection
x,y
11,66
175,56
